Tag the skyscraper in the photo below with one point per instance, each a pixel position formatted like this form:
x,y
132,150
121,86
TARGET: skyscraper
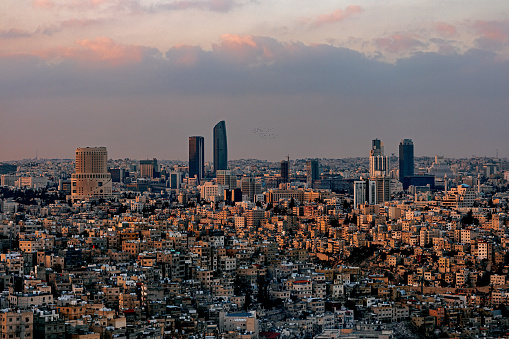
x,y
250,187
148,168
364,192
220,147
406,159
312,172
379,171
92,178
378,163
285,171
196,157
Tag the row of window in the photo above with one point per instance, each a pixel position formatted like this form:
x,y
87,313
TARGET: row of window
x,y
91,176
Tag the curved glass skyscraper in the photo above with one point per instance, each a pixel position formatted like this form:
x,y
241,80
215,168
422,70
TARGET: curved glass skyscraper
x,y
220,147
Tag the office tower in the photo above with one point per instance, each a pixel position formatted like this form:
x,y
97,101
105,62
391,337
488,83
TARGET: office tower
x,y
285,171
92,179
359,193
175,180
196,157
118,174
220,147
226,179
379,171
364,192
312,172
250,187
378,163
148,168
406,159
383,189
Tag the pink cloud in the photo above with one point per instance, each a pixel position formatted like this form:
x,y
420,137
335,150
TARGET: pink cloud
x,y
247,49
235,41
47,4
69,4
185,55
99,50
493,30
212,5
398,43
337,15
445,29
71,24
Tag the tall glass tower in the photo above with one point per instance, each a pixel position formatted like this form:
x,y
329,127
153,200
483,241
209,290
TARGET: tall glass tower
x,y
406,158
196,157
220,147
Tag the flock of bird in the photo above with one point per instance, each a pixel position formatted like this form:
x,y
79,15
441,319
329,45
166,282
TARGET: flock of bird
x,y
265,133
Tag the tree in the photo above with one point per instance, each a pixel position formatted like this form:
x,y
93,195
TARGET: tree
x,y
292,203
354,219
469,219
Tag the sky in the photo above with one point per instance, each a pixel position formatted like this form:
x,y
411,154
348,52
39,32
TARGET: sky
x,y
309,79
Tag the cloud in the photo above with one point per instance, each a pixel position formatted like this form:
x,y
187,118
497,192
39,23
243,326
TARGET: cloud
x,y
493,30
445,29
72,24
153,101
399,43
14,33
493,35
337,15
69,4
185,55
240,64
136,6
211,5
101,50
45,4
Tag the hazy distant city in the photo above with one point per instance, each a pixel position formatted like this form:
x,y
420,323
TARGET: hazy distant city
x,y
233,169
372,247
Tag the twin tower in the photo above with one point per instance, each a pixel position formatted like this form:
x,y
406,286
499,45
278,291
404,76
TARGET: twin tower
x,y
197,151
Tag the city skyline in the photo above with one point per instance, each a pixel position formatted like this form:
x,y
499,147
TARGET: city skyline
x,y
309,80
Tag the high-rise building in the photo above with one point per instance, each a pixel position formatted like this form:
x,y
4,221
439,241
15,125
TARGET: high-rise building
x,y
148,168
118,174
92,178
406,159
285,171
379,171
250,187
378,163
220,147
383,189
226,179
364,192
175,180
196,157
312,172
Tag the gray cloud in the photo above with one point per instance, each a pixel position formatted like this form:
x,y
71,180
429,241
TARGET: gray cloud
x,y
319,100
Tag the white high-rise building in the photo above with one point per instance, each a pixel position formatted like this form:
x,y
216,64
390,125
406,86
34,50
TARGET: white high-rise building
x,y
378,163
364,192
379,172
91,178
